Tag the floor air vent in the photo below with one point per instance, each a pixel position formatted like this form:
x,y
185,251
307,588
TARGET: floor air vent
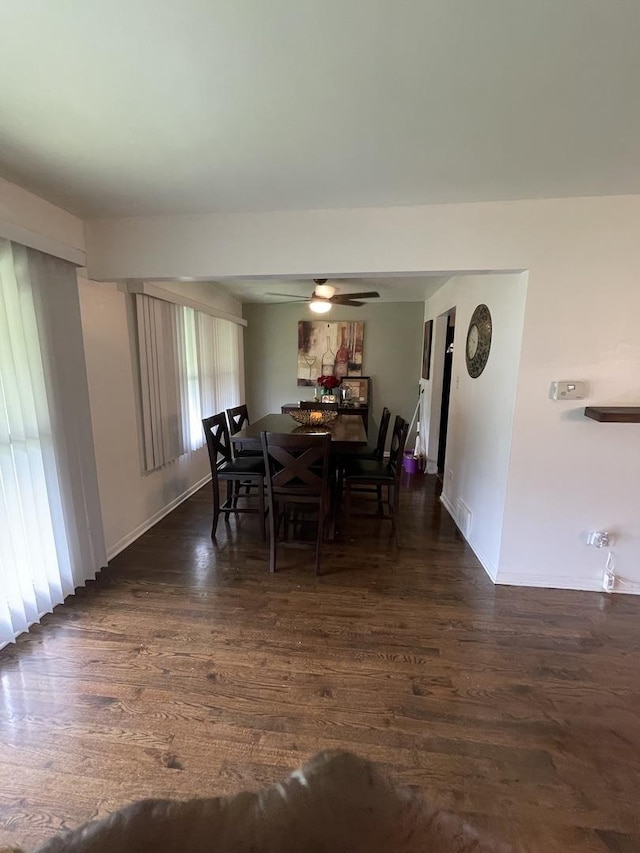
x,y
463,518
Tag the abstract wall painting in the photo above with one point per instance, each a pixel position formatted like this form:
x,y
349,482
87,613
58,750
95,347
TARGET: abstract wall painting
x,y
329,349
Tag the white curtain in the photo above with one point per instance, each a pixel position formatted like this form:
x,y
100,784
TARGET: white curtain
x,y
51,538
218,348
190,364
165,409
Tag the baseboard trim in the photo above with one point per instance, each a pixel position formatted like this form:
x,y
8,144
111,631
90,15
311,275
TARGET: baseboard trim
x,y
579,584
546,582
137,532
541,581
486,565
626,587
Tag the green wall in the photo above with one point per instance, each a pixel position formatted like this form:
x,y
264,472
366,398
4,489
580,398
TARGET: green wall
x,y
392,355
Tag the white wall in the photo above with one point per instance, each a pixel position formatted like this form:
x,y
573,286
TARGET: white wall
x,y
481,409
131,499
567,474
392,346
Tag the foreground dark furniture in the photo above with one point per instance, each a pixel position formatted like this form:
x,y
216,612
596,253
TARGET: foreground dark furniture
x,y
298,479
247,471
383,478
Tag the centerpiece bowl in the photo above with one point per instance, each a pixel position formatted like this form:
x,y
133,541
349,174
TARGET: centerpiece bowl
x,y
313,417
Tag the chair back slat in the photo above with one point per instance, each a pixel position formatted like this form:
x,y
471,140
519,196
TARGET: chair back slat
x,y
398,441
382,434
238,418
297,465
218,442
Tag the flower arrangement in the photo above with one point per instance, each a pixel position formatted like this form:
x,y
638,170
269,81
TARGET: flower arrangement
x,y
328,382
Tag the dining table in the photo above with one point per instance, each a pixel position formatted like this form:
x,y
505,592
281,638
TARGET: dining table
x,y
347,432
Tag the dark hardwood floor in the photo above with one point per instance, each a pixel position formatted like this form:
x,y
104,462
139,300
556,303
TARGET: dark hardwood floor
x,y
187,670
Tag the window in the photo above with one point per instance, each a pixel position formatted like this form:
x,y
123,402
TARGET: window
x,y
51,533
189,369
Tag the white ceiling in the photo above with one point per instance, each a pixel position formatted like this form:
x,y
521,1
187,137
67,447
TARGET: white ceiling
x,y
127,107
392,289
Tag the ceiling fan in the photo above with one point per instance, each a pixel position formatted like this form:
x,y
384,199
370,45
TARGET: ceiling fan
x,y
324,296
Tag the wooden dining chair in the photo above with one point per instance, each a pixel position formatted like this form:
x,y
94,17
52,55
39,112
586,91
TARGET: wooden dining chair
x,y
380,477
247,471
372,451
298,478
375,451
317,405
238,418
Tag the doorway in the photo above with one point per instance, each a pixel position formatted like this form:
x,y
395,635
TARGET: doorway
x,y
447,373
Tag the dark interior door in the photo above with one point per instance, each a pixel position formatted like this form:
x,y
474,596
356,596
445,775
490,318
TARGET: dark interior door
x,y
446,394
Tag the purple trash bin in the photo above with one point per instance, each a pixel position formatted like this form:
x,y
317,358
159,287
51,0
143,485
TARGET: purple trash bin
x,y
411,463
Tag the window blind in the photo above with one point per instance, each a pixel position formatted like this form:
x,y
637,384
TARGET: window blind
x,y
51,532
189,368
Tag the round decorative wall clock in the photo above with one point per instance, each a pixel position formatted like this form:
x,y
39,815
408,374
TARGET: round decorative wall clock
x,y
478,341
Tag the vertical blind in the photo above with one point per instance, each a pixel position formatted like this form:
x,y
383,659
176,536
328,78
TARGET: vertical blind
x,y
51,537
160,345
189,369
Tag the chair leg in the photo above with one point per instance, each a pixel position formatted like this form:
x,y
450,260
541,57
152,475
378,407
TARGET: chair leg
x,y
216,508
319,537
334,508
229,500
261,509
394,505
347,510
380,504
273,527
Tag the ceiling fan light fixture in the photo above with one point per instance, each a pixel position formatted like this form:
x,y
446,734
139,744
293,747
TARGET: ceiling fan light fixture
x,y
324,291
320,306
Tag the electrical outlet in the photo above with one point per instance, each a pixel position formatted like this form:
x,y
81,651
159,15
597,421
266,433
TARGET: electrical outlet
x,y
463,518
608,581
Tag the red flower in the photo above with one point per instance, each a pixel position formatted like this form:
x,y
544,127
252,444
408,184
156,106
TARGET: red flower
x,y
328,381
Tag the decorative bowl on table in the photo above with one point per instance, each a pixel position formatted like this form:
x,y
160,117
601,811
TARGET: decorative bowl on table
x,y
313,417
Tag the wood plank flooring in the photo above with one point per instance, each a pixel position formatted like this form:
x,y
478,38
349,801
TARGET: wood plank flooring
x,y
187,670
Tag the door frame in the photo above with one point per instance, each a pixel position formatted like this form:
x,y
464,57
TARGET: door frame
x,y
435,402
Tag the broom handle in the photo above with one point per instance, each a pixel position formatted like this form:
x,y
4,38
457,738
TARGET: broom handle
x,y
415,414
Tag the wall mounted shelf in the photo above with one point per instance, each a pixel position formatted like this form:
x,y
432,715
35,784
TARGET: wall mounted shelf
x,y
614,414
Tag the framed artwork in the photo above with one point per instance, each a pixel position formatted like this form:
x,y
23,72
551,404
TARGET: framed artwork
x,y
357,389
426,349
329,349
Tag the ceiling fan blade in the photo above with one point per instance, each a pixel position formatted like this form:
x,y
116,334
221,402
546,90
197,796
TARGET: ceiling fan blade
x,y
291,296
370,295
345,301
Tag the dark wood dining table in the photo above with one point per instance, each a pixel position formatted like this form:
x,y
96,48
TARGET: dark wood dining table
x,y
347,431
347,435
